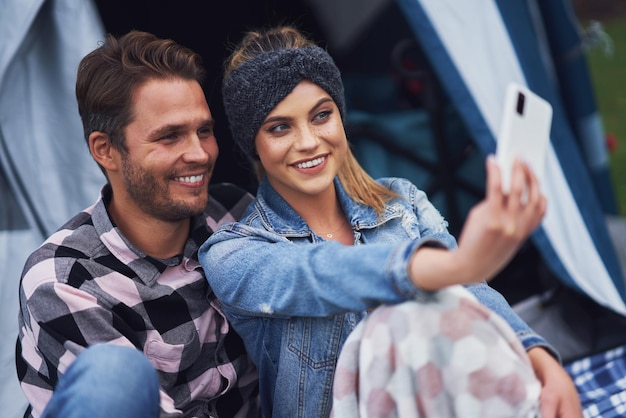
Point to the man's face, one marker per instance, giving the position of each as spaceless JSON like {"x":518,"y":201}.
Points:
{"x":171,"y":151}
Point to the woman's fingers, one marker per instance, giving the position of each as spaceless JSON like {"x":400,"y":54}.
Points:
{"x":517,"y":197}
{"x":520,"y":211}
{"x":494,"y":179}
{"x":496,"y":227}
{"x":532,"y":202}
{"x":533,"y":188}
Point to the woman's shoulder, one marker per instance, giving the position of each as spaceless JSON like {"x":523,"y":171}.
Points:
{"x":399,"y":185}
{"x":254,"y":223}
{"x":406,"y":192}
{"x":249,"y":221}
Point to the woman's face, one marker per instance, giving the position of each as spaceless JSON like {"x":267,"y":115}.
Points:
{"x":302,"y":143}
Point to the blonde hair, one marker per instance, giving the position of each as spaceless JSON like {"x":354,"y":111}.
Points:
{"x":359,"y":185}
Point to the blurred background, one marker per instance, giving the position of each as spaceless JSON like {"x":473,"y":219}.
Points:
{"x":606,"y":57}
{"x":424,"y":82}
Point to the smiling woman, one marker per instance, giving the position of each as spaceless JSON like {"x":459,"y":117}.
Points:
{"x":365,"y":263}
{"x":302,"y":145}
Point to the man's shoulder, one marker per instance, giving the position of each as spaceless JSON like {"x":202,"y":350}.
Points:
{"x":229,"y":194}
{"x":227,"y":200}
{"x":77,"y":239}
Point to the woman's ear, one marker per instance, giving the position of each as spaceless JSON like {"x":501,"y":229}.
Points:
{"x":103,"y":151}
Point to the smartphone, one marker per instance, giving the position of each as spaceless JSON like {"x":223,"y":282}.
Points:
{"x":524,"y":132}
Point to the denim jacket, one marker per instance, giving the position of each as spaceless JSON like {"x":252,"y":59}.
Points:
{"x":294,"y":301}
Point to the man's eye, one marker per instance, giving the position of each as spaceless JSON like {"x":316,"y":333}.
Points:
{"x":169,"y":137}
{"x":204,"y":132}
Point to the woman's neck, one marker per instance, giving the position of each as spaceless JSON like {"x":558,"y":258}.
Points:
{"x":325,"y":217}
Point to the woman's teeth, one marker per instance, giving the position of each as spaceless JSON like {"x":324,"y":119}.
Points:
{"x":312,"y":163}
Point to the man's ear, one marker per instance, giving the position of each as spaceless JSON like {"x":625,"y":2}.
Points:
{"x":103,"y":151}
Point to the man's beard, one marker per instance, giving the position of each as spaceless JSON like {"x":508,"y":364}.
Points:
{"x":153,"y":197}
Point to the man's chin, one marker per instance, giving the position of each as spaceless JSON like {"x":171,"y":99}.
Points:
{"x":184,"y":210}
{"x":198,"y":207}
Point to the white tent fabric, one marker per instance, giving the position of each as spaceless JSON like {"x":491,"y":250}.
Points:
{"x":46,"y":171}
{"x":472,"y":49}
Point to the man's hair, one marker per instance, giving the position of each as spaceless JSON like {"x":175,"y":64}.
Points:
{"x":109,"y":76}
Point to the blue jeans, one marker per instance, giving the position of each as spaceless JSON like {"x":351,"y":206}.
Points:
{"x":107,"y":381}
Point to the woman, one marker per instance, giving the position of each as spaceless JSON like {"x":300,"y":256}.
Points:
{"x":324,"y":244}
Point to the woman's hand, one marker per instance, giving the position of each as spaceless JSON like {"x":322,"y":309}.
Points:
{"x":496,"y":227}
{"x":559,"y":398}
{"x":493,"y":232}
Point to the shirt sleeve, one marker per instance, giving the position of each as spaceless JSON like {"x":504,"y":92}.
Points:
{"x":57,"y":322}
{"x":495,"y":301}
{"x":261,"y":273}
{"x":257,"y":272}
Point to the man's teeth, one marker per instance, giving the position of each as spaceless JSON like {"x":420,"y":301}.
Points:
{"x":311,"y":163}
{"x":190,"y":179}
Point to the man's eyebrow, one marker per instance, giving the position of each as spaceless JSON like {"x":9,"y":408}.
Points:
{"x":167,"y":129}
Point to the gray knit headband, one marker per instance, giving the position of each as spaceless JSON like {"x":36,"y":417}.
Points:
{"x":258,"y":85}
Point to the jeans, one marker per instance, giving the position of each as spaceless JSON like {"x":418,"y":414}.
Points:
{"x":107,"y":381}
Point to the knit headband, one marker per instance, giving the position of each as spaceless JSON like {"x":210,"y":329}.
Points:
{"x":258,"y":85}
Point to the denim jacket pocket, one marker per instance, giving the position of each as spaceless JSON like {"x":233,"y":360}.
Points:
{"x":308,"y":363}
{"x":316,"y":341}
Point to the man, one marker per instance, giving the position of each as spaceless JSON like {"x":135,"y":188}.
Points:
{"x":122,"y":277}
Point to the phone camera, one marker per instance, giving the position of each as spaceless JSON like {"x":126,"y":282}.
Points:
{"x":521,"y":99}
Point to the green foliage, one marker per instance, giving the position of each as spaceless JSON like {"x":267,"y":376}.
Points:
{"x":608,"y":77}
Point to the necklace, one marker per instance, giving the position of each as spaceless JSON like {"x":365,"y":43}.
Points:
{"x":330,"y":234}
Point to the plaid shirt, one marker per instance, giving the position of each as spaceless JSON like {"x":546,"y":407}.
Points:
{"x":87,"y":284}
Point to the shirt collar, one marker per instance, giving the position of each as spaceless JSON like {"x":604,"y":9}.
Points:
{"x":279,"y":216}
{"x":147,"y":268}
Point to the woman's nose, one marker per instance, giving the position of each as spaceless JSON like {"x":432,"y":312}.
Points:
{"x":307,"y":139}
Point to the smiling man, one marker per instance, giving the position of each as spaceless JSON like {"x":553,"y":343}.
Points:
{"x":116,"y":317}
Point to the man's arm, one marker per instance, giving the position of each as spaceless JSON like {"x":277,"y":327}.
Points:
{"x":57,"y":322}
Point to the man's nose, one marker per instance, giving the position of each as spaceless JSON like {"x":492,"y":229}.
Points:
{"x":196,"y":149}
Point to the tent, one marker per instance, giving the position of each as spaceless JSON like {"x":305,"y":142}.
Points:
{"x":463,"y":51}
{"x":437,"y":95}
{"x":46,"y":174}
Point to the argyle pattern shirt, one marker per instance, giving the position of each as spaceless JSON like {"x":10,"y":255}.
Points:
{"x":87,"y":284}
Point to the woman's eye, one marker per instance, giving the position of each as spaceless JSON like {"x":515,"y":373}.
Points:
{"x":323,"y":115}
{"x":278,"y":128}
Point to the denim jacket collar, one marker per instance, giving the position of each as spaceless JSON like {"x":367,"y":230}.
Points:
{"x":278,"y":216}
